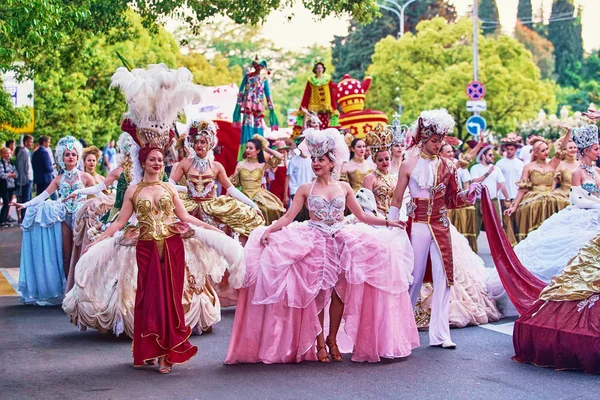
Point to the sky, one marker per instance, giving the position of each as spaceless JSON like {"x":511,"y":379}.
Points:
{"x":304,"y":30}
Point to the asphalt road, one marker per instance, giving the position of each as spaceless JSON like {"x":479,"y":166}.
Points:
{"x":43,"y":356}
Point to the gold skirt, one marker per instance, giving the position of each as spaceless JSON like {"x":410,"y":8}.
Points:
{"x":464,"y":220}
{"x":534,"y":209}
{"x":224,"y":212}
{"x":580,"y":279}
{"x":269,"y":204}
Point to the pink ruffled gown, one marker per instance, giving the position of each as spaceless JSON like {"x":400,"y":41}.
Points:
{"x":290,"y":281}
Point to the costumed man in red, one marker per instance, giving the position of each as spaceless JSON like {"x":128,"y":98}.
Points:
{"x":319,"y":98}
{"x":434,"y":188}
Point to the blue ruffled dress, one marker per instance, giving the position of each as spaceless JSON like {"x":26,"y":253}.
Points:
{"x":42,"y":276}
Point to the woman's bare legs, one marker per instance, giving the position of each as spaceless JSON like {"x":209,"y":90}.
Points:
{"x":321,"y":350}
{"x":336,"y":310}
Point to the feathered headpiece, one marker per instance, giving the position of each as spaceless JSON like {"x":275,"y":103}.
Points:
{"x":67,"y":143}
{"x":203,"y":128}
{"x":433,"y":123}
{"x":328,"y":142}
{"x":154,"y":96}
{"x":380,"y":138}
{"x":585,"y":136}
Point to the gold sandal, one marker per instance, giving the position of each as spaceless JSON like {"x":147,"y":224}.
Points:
{"x":324,"y":359}
{"x":334,"y":351}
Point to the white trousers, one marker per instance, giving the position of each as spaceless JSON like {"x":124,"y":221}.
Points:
{"x":423,"y":245}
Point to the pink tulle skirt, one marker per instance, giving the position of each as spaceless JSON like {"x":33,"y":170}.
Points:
{"x":290,"y":281}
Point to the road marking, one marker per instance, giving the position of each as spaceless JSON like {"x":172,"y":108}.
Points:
{"x":506,"y":328}
{"x":9,"y":279}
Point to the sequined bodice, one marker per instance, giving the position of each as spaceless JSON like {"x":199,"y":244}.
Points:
{"x":541,"y":182}
{"x":383,"y":189}
{"x":591,"y":188}
{"x":356,"y":178}
{"x":155,"y":218}
{"x":202,"y":186}
{"x":251,"y":181}
{"x":69,"y":182}
{"x":328,"y":214}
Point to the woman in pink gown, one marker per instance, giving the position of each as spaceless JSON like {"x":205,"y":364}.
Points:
{"x":296,"y":271}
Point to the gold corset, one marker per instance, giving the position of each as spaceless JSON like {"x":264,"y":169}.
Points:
{"x":202,"y":186}
{"x":155,"y":220}
{"x":565,"y":180}
{"x":541,"y":183}
{"x":251,"y":181}
{"x":355,"y":178}
{"x":383,"y":189}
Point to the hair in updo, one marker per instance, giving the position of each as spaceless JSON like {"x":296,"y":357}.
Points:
{"x":260,"y":156}
{"x":536,"y":143}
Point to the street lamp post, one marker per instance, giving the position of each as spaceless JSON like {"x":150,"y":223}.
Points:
{"x":401,"y":8}
{"x":397,"y":15}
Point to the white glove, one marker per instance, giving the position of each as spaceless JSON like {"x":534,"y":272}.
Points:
{"x":236,"y":194}
{"x":92,"y":190}
{"x":37,"y":200}
{"x":393,"y":213}
{"x":179,"y":188}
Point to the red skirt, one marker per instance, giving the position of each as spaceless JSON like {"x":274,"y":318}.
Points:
{"x":159,"y":324}
{"x":561,"y":335}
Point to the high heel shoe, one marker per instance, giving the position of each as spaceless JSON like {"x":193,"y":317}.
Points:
{"x":334,"y":351}
{"x":323,"y":359}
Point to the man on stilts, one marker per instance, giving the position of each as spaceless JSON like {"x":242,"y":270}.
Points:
{"x":434,"y":188}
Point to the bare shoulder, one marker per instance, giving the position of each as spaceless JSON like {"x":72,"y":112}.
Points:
{"x":346,"y":186}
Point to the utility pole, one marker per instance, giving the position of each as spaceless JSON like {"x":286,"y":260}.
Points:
{"x":476,"y":43}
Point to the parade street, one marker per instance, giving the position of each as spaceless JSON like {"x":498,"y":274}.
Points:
{"x":45,"y":357}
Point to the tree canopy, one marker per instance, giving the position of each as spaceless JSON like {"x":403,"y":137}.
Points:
{"x":488,"y":13}
{"x":432,"y":68}
{"x":541,"y":49}
{"x":565,"y":35}
{"x":352,"y":53}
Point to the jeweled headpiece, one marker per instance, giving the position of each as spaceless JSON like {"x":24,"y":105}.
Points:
{"x":328,"y":142}
{"x":400,"y":131}
{"x":433,"y":123}
{"x":585,"y":136}
{"x":203,"y":128}
{"x":380,"y":138}
{"x":67,"y":143}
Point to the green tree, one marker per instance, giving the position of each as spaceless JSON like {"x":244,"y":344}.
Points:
{"x":541,"y":49}
{"x":488,"y":13}
{"x":525,"y":13}
{"x":431,"y":69}
{"x":72,"y":96}
{"x":34,"y":28}
{"x":16,"y":117}
{"x":352,"y":53}
{"x":210,"y":73}
{"x":565,"y":35}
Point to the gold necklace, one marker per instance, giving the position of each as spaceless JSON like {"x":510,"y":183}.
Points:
{"x":252,"y":159}
{"x":426,"y":157}
{"x":386,"y":178}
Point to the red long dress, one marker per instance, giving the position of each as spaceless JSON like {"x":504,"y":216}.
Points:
{"x":159,"y":324}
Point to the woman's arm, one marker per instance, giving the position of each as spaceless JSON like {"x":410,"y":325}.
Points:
{"x":369,"y":181}
{"x":124,"y":215}
{"x":555,"y":162}
{"x":362,"y":216}
{"x":289,"y":216}
{"x":184,"y":216}
{"x":520,"y":194}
